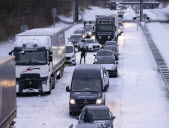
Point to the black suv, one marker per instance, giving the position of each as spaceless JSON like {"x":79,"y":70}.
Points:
{"x":88,"y":86}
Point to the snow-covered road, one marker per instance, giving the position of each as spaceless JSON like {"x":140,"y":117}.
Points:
{"x":137,"y":97}
{"x":143,"y":100}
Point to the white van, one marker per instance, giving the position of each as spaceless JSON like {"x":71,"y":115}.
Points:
{"x":70,"y":54}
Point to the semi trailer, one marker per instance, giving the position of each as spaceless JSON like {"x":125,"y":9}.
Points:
{"x":7,"y":91}
{"x":40,"y":57}
{"x":106,"y":28}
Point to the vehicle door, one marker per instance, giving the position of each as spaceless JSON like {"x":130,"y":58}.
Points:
{"x":105,"y":77}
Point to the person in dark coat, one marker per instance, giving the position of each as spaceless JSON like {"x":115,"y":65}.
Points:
{"x":88,"y":118}
{"x":83,"y":50}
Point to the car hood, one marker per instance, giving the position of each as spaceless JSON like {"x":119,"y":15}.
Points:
{"x":85,"y":95}
{"x":93,"y":44}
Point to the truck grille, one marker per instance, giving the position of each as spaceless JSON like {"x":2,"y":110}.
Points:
{"x":30,"y":75}
{"x":85,"y":102}
{"x":68,"y":58}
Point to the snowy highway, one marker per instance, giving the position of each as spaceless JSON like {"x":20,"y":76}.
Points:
{"x":137,"y":97}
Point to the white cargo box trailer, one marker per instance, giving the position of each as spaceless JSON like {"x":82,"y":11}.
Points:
{"x":7,"y":91}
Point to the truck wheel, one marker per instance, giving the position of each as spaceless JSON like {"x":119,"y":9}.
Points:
{"x":71,"y":113}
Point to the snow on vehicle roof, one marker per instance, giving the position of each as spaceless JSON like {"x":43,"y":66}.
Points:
{"x":76,"y":34}
{"x":41,"y":41}
{"x":40,"y":32}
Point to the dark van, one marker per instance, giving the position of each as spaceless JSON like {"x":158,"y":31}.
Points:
{"x":88,"y":86}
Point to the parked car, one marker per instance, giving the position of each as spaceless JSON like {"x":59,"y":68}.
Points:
{"x":80,"y":31}
{"x":92,"y":45}
{"x":114,"y":43}
{"x":74,"y":39}
{"x":103,"y":53}
{"x":88,"y":86}
{"x":8,"y":105}
{"x":70,"y":54}
{"x":110,"y":65}
{"x":101,"y":115}
{"x":114,"y":49}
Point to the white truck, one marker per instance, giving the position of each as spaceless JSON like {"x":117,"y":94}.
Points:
{"x":7,"y":92}
{"x":40,"y":57}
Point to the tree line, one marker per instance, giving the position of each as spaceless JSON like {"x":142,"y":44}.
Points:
{"x":34,"y":13}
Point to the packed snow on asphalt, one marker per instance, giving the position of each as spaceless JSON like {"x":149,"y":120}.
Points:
{"x":137,"y":97}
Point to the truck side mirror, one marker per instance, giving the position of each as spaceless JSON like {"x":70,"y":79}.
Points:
{"x":50,"y":58}
{"x":105,"y":88}
{"x":10,"y":53}
{"x":113,"y":117}
{"x":67,"y":89}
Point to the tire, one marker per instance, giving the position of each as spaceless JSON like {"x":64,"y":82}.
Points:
{"x":74,"y":64}
{"x":71,"y":113}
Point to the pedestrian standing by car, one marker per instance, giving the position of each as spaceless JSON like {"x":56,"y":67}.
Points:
{"x":88,"y":118}
{"x":83,"y":50}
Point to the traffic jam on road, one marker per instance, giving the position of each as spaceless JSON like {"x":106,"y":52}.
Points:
{"x":96,"y":74}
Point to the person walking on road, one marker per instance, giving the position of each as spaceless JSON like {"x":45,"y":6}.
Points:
{"x":88,"y":118}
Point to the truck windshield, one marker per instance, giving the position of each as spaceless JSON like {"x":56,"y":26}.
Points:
{"x":31,"y":57}
{"x":105,"y":28}
{"x":69,"y":49}
{"x":86,"y":85}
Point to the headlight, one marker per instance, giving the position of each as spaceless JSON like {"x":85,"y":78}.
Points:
{"x":70,"y":42}
{"x":98,"y":101}
{"x":90,"y":33}
{"x":83,"y":36}
{"x":89,"y":46}
{"x":72,"y":101}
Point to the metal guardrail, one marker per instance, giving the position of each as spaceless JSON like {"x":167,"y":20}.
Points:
{"x":163,"y":68}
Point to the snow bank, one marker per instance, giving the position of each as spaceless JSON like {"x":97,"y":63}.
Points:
{"x":160,"y":36}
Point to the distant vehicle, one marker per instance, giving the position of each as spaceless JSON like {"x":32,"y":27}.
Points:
{"x":92,"y":45}
{"x":40,"y":57}
{"x":88,"y":86}
{"x":88,"y":30}
{"x":114,"y":43}
{"x":70,"y":54}
{"x":7,"y":92}
{"x":103,"y":53}
{"x":80,"y":31}
{"x":110,"y":65}
{"x":106,"y":28}
{"x":114,"y":49}
{"x":74,"y":39}
{"x":101,"y":116}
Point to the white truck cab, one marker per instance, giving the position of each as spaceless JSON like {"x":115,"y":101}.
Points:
{"x":39,"y":57}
